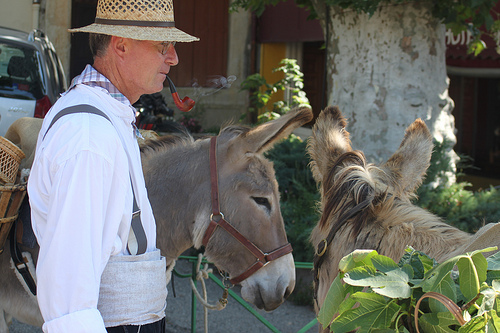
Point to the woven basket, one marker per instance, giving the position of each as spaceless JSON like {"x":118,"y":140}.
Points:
{"x":10,"y":158}
{"x":11,"y":198}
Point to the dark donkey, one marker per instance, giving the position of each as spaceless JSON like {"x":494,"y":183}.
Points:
{"x":178,"y":178}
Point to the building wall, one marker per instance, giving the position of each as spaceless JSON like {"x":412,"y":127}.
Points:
{"x":55,"y":21}
{"x":17,"y":14}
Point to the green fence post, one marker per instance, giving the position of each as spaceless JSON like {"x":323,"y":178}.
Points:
{"x":193,"y":299}
{"x":308,"y":326}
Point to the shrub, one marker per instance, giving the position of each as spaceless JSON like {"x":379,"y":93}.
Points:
{"x":455,"y":204}
{"x":261,"y":92}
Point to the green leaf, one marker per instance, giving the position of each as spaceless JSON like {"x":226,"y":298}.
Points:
{"x":437,"y":322}
{"x":472,"y":271}
{"x":387,"y":282}
{"x":494,"y":321}
{"x":476,"y":324}
{"x":476,"y":47}
{"x":419,"y":262}
{"x":447,"y":287}
{"x":488,"y":302}
{"x":435,"y":276}
{"x":373,"y":312}
{"x":496,"y":285}
{"x":492,"y":276}
{"x":356,"y":259}
{"x":335,"y":296}
{"x":349,"y":302}
{"x":383,"y":263}
{"x":494,"y":261}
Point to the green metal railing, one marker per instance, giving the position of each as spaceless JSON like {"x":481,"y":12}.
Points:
{"x":236,"y":297}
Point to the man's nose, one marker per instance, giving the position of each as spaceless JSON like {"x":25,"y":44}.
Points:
{"x":172,"y":59}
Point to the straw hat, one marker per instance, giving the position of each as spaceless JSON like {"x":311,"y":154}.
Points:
{"x":137,"y":19}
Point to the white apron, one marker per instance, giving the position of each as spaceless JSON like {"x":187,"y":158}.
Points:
{"x":133,"y":289}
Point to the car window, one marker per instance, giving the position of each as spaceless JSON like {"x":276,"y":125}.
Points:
{"x":19,"y":72}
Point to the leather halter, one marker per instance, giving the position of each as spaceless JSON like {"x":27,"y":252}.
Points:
{"x":322,"y":247}
{"x":217,"y":220}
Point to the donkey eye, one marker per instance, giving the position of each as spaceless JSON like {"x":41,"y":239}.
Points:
{"x":261,"y":201}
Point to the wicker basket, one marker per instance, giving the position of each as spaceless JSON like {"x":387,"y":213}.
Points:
{"x":10,"y":158}
{"x":11,"y":198}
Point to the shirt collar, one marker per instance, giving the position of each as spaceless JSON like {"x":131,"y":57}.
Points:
{"x":91,"y":77}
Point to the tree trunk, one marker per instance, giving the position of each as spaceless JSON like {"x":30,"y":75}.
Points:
{"x":385,"y":71}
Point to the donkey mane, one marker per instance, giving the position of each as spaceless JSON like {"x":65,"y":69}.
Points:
{"x":181,"y":138}
{"x":347,"y":190}
{"x":165,"y":142}
{"x":234,"y":130}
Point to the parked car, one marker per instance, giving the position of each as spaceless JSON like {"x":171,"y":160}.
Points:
{"x":31,"y":75}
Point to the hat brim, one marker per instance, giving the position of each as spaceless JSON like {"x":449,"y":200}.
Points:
{"x":160,"y":34}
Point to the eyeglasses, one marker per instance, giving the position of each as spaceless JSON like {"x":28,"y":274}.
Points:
{"x":163,"y":47}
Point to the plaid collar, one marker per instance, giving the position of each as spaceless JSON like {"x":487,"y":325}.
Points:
{"x":91,"y":77}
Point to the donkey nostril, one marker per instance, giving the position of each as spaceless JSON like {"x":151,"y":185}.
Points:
{"x":288,"y":291}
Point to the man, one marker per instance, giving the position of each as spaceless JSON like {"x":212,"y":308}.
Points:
{"x":92,"y":272}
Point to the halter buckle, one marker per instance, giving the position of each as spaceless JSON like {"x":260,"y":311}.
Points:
{"x":322,"y":250}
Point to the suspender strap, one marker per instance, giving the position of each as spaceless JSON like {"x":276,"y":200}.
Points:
{"x":81,"y":108}
{"x":137,"y":243}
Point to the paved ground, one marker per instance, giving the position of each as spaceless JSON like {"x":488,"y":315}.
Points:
{"x":288,"y":318}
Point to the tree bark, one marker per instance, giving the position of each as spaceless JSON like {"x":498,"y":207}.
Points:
{"x":385,"y":71}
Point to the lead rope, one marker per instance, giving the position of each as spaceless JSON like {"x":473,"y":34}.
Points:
{"x":201,"y":275}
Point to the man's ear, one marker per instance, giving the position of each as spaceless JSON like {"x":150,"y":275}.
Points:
{"x":118,"y":45}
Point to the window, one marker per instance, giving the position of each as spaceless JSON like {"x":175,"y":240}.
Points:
{"x":477,"y":119}
{"x":19,"y":77}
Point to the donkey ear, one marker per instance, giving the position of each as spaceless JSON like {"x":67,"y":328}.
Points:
{"x":262,"y":138}
{"x":407,"y":166}
{"x":328,"y":141}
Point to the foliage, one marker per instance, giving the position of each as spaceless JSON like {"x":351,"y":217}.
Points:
{"x":261,"y":91}
{"x":299,"y":194}
{"x":464,"y":15}
{"x":388,"y":293}
{"x":465,"y":209}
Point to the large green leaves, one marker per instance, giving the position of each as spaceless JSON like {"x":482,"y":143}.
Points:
{"x":441,"y":322}
{"x":336,"y":295}
{"x":391,"y":283}
{"x":390,"y":292}
{"x":373,"y":312}
{"x":472,"y":267}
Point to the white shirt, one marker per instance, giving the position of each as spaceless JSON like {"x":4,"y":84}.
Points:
{"x":81,"y":204}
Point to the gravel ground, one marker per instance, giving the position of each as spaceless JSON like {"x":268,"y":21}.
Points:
{"x":288,"y":318}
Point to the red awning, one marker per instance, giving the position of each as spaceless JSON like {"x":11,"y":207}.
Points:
{"x":456,"y":52}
